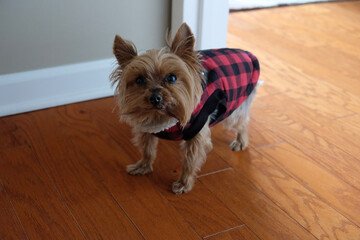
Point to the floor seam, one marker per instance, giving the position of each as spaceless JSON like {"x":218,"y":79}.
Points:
{"x":14,"y":210}
{"x":224,"y":231}
{"x":214,"y":172}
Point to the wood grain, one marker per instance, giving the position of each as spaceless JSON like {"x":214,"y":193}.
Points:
{"x":288,"y":124}
{"x":293,"y":39}
{"x":339,"y":133}
{"x":136,"y":195}
{"x":257,"y":211}
{"x":349,"y":128}
{"x":10,"y":136}
{"x":316,"y":93}
{"x":296,"y":200}
{"x":332,"y":190}
{"x":299,"y":202}
{"x":241,"y":233}
{"x":200,"y":208}
{"x":10,"y":227}
{"x":93,"y":207}
{"x":38,"y":205}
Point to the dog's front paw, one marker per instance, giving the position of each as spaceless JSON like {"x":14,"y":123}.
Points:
{"x":238,"y":146}
{"x":179,"y":187}
{"x":138,"y":169}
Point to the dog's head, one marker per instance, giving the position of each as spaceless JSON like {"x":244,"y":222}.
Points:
{"x":157,"y":89}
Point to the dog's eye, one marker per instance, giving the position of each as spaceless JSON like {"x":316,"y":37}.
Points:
{"x":170,"y":78}
{"x":140,"y":80}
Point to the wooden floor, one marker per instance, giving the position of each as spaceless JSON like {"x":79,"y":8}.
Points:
{"x":62,"y":170}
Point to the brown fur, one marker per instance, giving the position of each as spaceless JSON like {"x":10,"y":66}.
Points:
{"x":177,"y":105}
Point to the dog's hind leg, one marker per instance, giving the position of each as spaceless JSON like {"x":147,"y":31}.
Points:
{"x":242,"y":137}
{"x":238,"y":121}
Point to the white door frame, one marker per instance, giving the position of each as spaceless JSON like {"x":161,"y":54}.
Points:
{"x":208,"y":20}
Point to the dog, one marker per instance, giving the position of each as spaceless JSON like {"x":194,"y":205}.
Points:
{"x":178,"y":93}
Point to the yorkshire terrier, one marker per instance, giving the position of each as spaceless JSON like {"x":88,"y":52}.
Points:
{"x":177,"y":93}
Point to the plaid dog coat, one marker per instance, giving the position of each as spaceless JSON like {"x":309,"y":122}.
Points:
{"x":231,"y":75}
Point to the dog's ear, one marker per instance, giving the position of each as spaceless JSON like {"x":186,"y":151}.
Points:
{"x":183,"y":43}
{"x":124,"y":51}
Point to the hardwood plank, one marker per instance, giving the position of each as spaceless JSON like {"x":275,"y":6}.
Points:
{"x":313,"y":21}
{"x":10,"y":227}
{"x":347,"y":10}
{"x":300,"y":203}
{"x":295,"y":53}
{"x":259,"y":137}
{"x":105,"y":112}
{"x":313,"y":92}
{"x":316,"y":93}
{"x":205,"y":212}
{"x":200,"y":208}
{"x":330,"y":189}
{"x":337,"y":133}
{"x":258,"y":212}
{"x":214,"y":164}
{"x":283,"y":70}
{"x":241,"y":233}
{"x":349,"y":128}
{"x":322,"y":152}
{"x":296,"y":200}
{"x":9,"y":134}
{"x":93,"y":207}
{"x":39,"y":207}
{"x":142,"y":203}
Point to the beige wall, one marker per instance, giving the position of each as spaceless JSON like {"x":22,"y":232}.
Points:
{"x":36,"y":34}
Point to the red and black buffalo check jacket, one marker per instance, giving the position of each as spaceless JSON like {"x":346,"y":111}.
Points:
{"x":231,"y":75}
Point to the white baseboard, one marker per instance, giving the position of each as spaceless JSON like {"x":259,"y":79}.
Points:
{"x":38,"y":89}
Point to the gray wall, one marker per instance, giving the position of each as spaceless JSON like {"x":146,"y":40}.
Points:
{"x":37,"y":34}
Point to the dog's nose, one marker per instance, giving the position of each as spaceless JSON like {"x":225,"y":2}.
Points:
{"x":155,"y":98}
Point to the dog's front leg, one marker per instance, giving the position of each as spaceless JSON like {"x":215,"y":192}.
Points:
{"x":147,"y":144}
{"x":195,"y":155}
